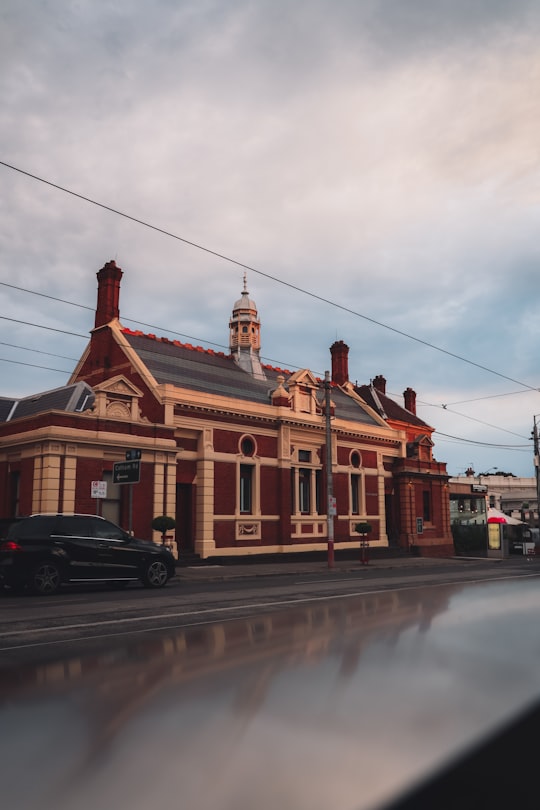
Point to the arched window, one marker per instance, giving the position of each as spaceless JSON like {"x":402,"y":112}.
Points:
{"x":356,"y":459}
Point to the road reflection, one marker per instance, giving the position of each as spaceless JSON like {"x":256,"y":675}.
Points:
{"x":339,"y":703}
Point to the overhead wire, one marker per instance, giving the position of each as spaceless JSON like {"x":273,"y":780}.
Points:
{"x":221,"y":345}
{"x":42,"y":326}
{"x":276,"y":279}
{"x":471,"y":418}
{"x":65,"y":371}
{"x":33,"y":365}
{"x":37,"y":351}
{"x":484,"y":444}
{"x":252,"y":269}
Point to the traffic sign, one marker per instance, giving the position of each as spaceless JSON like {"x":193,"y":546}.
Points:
{"x":98,"y":489}
{"x":126,"y":472}
{"x":133,"y":455}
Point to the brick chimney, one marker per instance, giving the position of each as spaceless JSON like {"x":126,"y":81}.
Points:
{"x":108,"y":294}
{"x":340,"y":362}
{"x":410,"y":400}
{"x":379,"y":384}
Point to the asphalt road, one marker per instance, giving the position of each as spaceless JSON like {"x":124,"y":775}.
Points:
{"x":84,"y":620}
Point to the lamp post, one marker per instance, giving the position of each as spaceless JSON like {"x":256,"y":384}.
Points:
{"x":330,"y":507}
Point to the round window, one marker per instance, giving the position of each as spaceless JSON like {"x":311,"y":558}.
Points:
{"x":356,"y":459}
{"x":247,"y":446}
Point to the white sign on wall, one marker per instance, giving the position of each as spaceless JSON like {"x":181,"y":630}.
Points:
{"x":98,"y":489}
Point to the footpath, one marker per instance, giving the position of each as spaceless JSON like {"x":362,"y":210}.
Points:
{"x":253,"y":567}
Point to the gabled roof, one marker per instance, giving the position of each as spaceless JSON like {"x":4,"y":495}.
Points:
{"x":392,"y":411}
{"x":72,"y":398}
{"x":192,"y":367}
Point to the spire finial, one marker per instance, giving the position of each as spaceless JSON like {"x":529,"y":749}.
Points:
{"x":245,"y":283}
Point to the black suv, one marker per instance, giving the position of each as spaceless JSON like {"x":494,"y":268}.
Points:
{"x":41,"y":552}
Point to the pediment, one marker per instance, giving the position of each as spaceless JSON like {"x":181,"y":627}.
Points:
{"x":424,"y":440}
{"x":303,"y":387}
{"x":303,"y":377}
{"x":118,"y":385}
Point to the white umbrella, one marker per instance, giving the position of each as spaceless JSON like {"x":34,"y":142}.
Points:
{"x":496,"y":516}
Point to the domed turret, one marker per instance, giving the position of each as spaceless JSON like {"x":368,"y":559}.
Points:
{"x":245,"y":335}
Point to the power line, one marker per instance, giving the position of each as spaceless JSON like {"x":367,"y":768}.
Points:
{"x":162,"y":329}
{"x":484,"y":444}
{"x":463,"y":416}
{"x":33,"y":365}
{"x":38,"y":351}
{"x":45,"y":295}
{"x":439,"y":433}
{"x":152,"y":326}
{"x":489,"y":396}
{"x":237,"y":263}
{"x":446,"y":436}
{"x":222,"y":346}
{"x":472,"y":419}
{"x":41,"y":326}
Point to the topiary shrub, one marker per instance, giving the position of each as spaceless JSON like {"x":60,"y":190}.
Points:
{"x":162,"y":524}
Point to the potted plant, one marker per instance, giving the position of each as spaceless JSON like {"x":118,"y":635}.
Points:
{"x":162,"y":524}
{"x":363,"y":529}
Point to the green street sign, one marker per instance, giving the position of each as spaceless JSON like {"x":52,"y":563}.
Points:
{"x":126,"y":472}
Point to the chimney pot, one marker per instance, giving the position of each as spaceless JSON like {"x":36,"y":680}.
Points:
{"x":108,"y":293}
{"x":340,"y":362}
{"x":410,"y":400}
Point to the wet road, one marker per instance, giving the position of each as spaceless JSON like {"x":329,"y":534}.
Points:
{"x":82,"y":619}
{"x":234,"y":689}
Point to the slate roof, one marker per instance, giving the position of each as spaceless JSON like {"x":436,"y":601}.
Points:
{"x":6,"y":406}
{"x":213,"y":372}
{"x":391,"y":408}
{"x":71,"y":398}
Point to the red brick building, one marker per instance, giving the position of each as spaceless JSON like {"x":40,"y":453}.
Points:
{"x":233,"y":449}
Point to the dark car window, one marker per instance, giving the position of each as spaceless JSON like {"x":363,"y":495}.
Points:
{"x":40,"y":526}
{"x":106,"y":530}
{"x":75,"y":526}
{"x":5,"y":525}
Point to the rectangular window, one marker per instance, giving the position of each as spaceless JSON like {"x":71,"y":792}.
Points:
{"x":304,"y":490}
{"x":426,"y":497}
{"x":246,"y":489}
{"x":14,"y":492}
{"x":305,"y":456}
{"x":318,"y":490}
{"x":355,"y":494}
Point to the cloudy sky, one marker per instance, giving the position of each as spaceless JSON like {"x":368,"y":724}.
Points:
{"x":375,"y":163}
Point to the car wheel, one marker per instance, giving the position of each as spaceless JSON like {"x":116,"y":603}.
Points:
{"x":45,"y":578}
{"x":155,"y":574}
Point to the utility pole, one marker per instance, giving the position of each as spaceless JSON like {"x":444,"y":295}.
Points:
{"x":330,"y":503}
{"x":536,"y":468}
